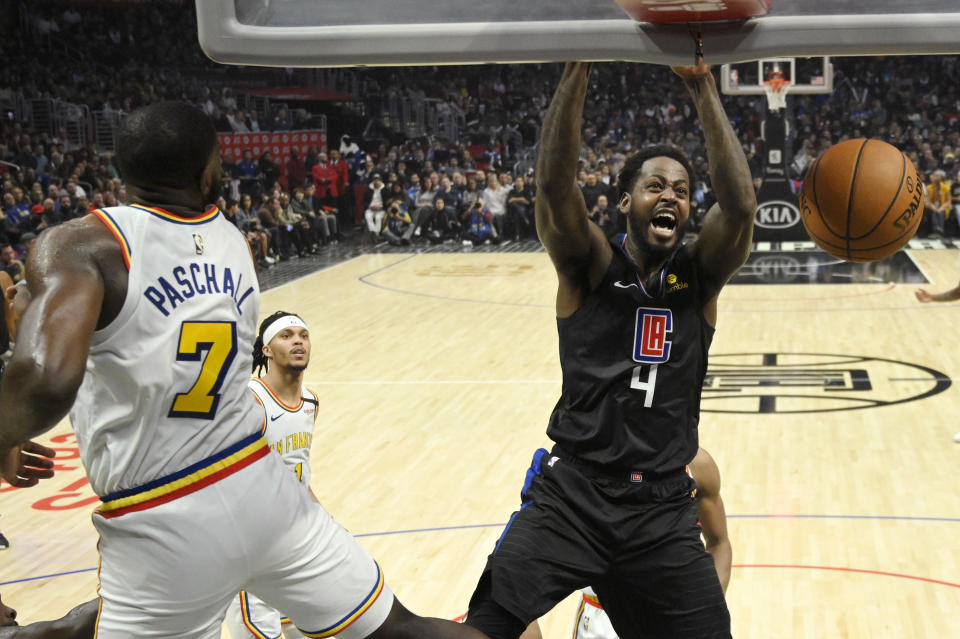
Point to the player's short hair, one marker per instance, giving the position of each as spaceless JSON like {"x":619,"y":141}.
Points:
{"x":631,"y":168}
{"x":165,"y":144}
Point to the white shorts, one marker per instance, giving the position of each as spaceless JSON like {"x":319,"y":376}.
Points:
{"x":592,"y":620}
{"x":172,"y":563}
{"x":248,"y":617}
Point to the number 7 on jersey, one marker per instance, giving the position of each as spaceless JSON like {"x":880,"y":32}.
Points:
{"x":219,"y":340}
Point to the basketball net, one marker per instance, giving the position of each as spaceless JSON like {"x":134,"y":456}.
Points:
{"x":776,"y":90}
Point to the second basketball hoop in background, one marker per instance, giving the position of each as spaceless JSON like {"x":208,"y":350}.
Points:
{"x":862,"y":200}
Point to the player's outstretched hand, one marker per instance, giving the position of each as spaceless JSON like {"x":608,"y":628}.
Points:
{"x":923,"y":296}
{"x":26,"y":464}
{"x":689,"y":73}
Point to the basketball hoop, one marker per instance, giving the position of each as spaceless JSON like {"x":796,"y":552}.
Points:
{"x":776,"y":90}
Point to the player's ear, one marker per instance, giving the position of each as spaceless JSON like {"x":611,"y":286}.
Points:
{"x":624,"y":203}
{"x":267,"y":352}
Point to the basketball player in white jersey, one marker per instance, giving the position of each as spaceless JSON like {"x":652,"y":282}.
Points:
{"x":592,"y":621}
{"x":290,"y":410}
{"x":138,"y":325}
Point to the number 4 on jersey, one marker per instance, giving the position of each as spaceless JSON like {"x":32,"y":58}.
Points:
{"x":650,"y":348}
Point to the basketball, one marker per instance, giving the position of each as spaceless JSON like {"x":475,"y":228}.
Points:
{"x":862,"y":200}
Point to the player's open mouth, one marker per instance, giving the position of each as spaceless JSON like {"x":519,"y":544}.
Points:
{"x":664,"y":223}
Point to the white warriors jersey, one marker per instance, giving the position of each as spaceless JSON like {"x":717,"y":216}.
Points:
{"x":288,"y":429}
{"x":165,"y":390}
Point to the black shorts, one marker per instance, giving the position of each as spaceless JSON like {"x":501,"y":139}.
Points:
{"x":636,"y":542}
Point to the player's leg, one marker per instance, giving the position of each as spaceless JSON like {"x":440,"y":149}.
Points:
{"x":250,"y":618}
{"x":171,"y":570}
{"x":548,"y":549}
{"x":314,"y":571}
{"x":663,"y":582}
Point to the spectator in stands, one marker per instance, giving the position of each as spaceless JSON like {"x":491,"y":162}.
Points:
{"x":450,"y":195}
{"x":478,"y":225}
{"x":520,"y":209}
{"x":495,"y":200}
{"x":269,"y":169}
{"x":258,"y":240}
{"x":269,"y":216}
{"x":955,"y":198}
{"x":373,"y":206}
{"x":296,"y":171}
{"x":445,"y":224}
{"x":413,"y":190}
{"x":248,"y":173}
{"x":396,"y":193}
{"x":592,"y":189}
{"x":326,"y":181}
{"x":246,"y":219}
{"x":603,"y":215}
{"x":423,"y":203}
{"x":399,"y":226}
{"x":11,"y":263}
{"x":938,"y":204}
{"x":343,"y":190}
{"x":297,"y":227}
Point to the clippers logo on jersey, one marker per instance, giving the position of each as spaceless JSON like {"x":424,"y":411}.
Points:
{"x":650,"y":343}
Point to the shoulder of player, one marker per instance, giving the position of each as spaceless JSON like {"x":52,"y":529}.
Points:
{"x":583,"y":273}
{"x":74,"y":243}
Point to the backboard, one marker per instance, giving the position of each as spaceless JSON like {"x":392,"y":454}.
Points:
{"x":806,"y":76}
{"x":303,"y":33}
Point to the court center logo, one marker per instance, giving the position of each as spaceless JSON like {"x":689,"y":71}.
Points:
{"x":813,"y":383}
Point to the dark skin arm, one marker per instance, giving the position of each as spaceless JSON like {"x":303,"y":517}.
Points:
{"x":724,"y":242}
{"x":77,"y":281}
{"x":947,"y":296}
{"x":576,"y":246}
{"x":712,"y":515}
{"x":79,"y":623}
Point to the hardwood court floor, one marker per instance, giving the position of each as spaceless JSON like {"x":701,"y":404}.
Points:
{"x":437,"y":374}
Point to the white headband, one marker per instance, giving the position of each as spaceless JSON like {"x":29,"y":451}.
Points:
{"x":287,"y":321}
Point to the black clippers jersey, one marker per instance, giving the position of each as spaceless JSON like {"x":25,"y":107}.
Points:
{"x":633,"y":365}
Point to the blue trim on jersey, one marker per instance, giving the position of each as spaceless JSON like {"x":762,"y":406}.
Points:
{"x":119,"y":230}
{"x":510,"y":523}
{"x":223,"y":454}
{"x":533,"y":471}
{"x":249,"y":617}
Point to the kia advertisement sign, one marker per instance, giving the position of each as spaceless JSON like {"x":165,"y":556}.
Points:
{"x":777,"y":214}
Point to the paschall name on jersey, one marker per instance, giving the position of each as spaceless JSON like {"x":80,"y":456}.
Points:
{"x":185,"y":282}
{"x":293,"y":441}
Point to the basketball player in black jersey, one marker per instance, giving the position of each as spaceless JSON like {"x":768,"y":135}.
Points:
{"x":611,"y":506}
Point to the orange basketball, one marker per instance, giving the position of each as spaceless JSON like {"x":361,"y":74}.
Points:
{"x":861,"y":200}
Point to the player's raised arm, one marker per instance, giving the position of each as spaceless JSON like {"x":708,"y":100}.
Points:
{"x":724,"y":242}
{"x":712,"y":515}
{"x":577,"y":247}
{"x":53,"y":338}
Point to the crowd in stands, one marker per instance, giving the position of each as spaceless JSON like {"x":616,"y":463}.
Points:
{"x":478,"y":188}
